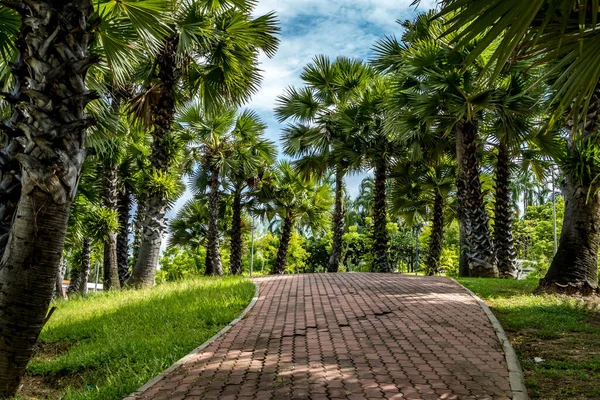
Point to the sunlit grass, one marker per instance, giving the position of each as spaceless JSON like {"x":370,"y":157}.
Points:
{"x":114,"y":342}
{"x":562,"y":332}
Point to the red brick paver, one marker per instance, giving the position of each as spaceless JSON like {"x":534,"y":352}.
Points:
{"x":349,"y":336}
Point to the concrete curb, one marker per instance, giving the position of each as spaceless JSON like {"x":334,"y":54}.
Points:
{"x":197,"y":350}
{"x":515,"y":373}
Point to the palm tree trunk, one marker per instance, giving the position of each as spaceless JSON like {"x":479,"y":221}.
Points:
{"x":48,"y":102}
{"x":380,"y":234}
{"x":10,"y":182}
{"x":214,"y":265}
{"x":236,"y":234}
{"x":503,"y":238}
{"x":111,"y":268}
{"x":59,"y":292}
{"x":338,"y":222}
{"x":437,"y":236}
{"x":124,"y":208}
{"x":155,"y":207}
{"x":80,"y":275}
{"x":137,"y":230}
{"x":479,"y":247}
{"x":574,"y":268}
{"x":284,"y":244}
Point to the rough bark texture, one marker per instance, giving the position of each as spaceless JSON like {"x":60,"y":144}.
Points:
{"x":109,"y":198}
{"x":124,"y":208}
{"x":236,"y":234}
{"x":80,"y":275}
{"x":62,"y":270}
{"x":138,"y":228}
{"x":474,"y":219}
{"x":48,"y":118}
{"x":503,"y":214}
{"x":380,"y":234}
{"x":574,"y":269}
{"x":214,"y":265}
{"x":284,"y":244}
{"x":155,"y":207}
{"x":338,"y":223}
{"x":437,"y":236}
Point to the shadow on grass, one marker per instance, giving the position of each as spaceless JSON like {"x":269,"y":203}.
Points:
{"x":118,"y":341}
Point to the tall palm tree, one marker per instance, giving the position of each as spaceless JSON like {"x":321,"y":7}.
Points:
{"x":45,"y":145}
{"x":231,"y":152}
{"x":420,"y":191}
{"x":213,"y":53}
{"x":253,"y":155}
{"x":363,"y":121}
{"x":314,"y":135}
{"x":565,"y":31}
{"x":294,"y":199}
{"x":429,"y":80}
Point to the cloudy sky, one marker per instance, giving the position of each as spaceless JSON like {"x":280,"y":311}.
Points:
{"x":333,"y":28}
{"x":330,"y":27}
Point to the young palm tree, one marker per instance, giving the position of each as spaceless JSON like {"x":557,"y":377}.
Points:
{"x":314,"y":135}
{"x":213,"y":53}
{"x":231,"y":151}
{"x":565,"y":31}
{"x":421,"y":191}
{"x":294,"y":199}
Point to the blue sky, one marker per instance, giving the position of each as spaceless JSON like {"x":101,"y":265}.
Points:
{"x":333,"y":28}
{"x":311,"y":27}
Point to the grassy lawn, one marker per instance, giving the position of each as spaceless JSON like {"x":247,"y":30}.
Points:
{"x":564,"y":332}
{"x":107,"y":345}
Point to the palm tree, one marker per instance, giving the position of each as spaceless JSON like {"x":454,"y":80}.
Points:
{"x":421,"y":191}
{"x":294,"y":199}
{"x":363,"y":121}
{"x":253,"y":155}
{"x":231,"y":151}
{"x":212,"y":52}
{"x":45,"y":134}
{"x":565,"y":31}
{"x":431,"y":84}
{"x":314,"y":135}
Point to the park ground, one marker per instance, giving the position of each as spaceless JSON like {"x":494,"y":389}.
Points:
{"x":107,"y":345}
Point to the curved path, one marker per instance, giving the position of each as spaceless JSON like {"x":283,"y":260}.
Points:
{"x":349,"y":336}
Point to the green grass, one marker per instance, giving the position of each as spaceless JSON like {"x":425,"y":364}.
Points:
{"x":105,"y":346}
{"x":563,"y":331}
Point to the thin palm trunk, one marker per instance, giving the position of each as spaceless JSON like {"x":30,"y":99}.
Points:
{"x":380,"y":234}
{"x":111,"y":268}
{"x":214,"y":265}
{"x":284,"y":244}
{"x":155,"y":207}
{"x":236,"y":234}
{"x":338,"y":222}
{"x":59,"y":292}
{"x":124,"y":208}
{"x":503,"y":214}
{"x":437,"y":236}
{"x":137,"y":231}
{"x":479,"y":247}
{"x":48,"y":103}
{"x":80,"y":275}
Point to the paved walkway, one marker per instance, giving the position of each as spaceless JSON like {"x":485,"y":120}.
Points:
{"x":349,"y":336}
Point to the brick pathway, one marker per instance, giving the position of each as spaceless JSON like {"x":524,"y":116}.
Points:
{"x":349,"y":336}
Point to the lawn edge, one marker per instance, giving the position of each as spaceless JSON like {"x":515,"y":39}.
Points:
{"x":197,"y":350}
{"x":515,"y":373}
